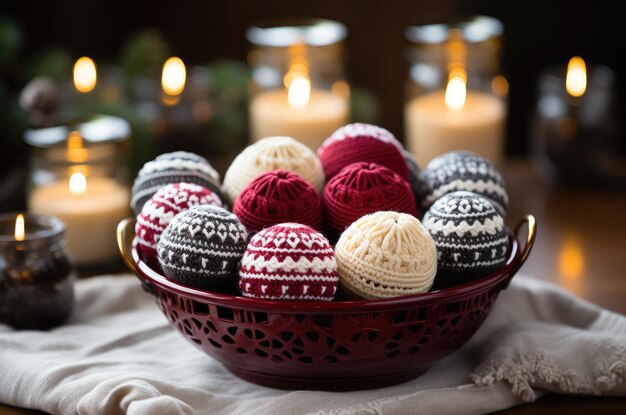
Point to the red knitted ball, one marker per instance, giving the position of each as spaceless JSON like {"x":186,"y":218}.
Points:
{"x":276,"y":197}
{"x":159,"y":211}
{"x":363,"y":188}
{"x":361,"y":142}
{"x":289,"y":261}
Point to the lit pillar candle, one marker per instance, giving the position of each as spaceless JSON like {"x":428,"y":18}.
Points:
{"x":309,"y":115}
{"x":456,"y":119}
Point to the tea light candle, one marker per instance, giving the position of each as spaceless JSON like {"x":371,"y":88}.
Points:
{"x":91,"y":208}
{"x":457,"y":119}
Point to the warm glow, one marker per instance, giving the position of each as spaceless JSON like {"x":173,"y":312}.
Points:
{"x":78,"y":183}
{"x":85,"y":75}
{"x":76,"y":152}
{"x":341,"y":89}
{"x":576,"y":80}
{"x":299,"y":92}
{"x":571,"y":260}
{"x":174,"y":76}
{"x":500,"y":86}
{"x":19,"y":227}
{"x":456,"y":91}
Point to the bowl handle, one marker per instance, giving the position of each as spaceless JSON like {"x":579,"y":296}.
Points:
{"x":531,"y":223}
{"x":124,"y":241}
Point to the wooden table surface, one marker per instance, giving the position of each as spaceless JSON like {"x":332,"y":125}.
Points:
{"x":580,"y":246}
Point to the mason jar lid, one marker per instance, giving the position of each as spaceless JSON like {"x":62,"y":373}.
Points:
{"x":284,"y":33}
{"x":98,"y":129}
{"x":474,"y":29}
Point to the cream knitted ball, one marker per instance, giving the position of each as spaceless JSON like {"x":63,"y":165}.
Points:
{"x":386,"y":254}
{"x":269,"y":154}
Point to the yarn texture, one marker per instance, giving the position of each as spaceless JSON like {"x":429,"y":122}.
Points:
{"x":384,"y":255}
{"x":470,"y":237}
{"x":363,"y":188}
{"x":202,"y":247}
{"x":159,"y":211}
{"x":463,"y":170}
{"x":269,"y":154}
{"x":277,"y":197}
{"x":176,"y":167}
{"x":361,"y":142}
{"x":289,"y":261}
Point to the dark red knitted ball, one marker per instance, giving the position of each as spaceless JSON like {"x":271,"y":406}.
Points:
{"x":363,"y":188}
{"x":289,"y":261}
{"x":275,"y":197}
{"x":361,"y":142}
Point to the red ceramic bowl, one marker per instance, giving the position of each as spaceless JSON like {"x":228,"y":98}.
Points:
{"x":345,"y":345}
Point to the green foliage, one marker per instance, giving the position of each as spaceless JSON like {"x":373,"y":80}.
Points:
{"x":11,"y":41}
{"x":145,"y":50}
{"x":55,"y":63}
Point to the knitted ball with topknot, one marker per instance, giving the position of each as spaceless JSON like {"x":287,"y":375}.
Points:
{"x":159,"y":211}
{"x":202,"y":247}
{"x":175,"y":167}
{"x":470,"y":237}
{"x":269,"y":154}
{"x":289,"y":261}
{"x":463,"y":170}
{"x":384,"y":255}
{"x":276,"y":197}
{"x":361,"y":142}
{"x":363,"y":188}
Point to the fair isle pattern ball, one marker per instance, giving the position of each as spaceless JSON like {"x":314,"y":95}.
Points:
{"x":384,"y":255}
{"x":202,"y":248}
{"x":361,"y":142}
{"x":272,"y":153}
{"x":470,"y":237}
{"x":159,"y":211}
{"x":463,"y":170}
{"x":289,"y":261}
{"x":175,"y":167}
{"x":363,"y":188}
{"x":278,"y":196}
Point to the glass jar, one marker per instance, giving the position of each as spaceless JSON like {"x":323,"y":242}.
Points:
{"x":298,"y":86}
{"x":575,"y":133}
{"x":36,"y":275}
{"x":455,"y":93}
{"x":79,"y":173}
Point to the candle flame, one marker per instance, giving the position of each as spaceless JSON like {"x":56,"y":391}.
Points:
{"x":299,"y":91}
{"x":174,"y":76}
{"x":456,"y":90}
{"x":76,"y":152}
{"x":78,"y":183}
{"x":85,"y":75}
{"x":576,"y":79}
{"x":19,"y":227}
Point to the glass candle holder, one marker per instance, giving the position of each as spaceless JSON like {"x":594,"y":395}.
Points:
{"x":298,"y":87}
{"x":36,"y":275}
{"x":456,"y":95}
{"x":575,"y":128}
{"x":79,"y":173}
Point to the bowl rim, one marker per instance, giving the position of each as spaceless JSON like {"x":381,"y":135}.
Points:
{"x":443,"y":296}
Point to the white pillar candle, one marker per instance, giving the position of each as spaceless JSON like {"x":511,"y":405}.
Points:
{"x":90,"y":214}
{"x":433,"y":129}
{"x":272,"y":114}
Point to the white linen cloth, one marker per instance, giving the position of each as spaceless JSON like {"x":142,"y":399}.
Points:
{"x":118,"y":354}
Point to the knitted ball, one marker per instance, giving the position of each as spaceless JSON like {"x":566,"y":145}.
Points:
{"x":269,"y":154}
{"x":463,"y":170}
{"x":159,"y":211}
{"x":414,"y":175}
{"x":363,"y":188}
{"x":469,"y":235}
{"x":289,"y":261}
{"x":386,"y":254}
{"x":176,"y":167}
{"x":361,"y":142}
{"x":202,"y":247}
{"x":276,"y":197}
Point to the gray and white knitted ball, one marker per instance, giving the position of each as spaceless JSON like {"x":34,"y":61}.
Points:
{"x":469,"y":235}
{"x":202,"y":248}
{"x":175,"y":167}
{"x":463,"y":170}
{"x":414,"y":175}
